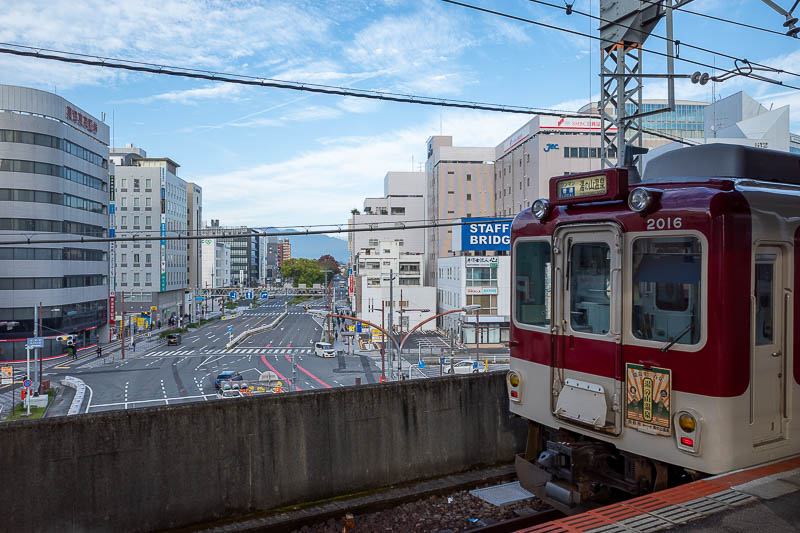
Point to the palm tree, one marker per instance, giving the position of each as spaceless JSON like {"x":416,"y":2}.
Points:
{"x":355,"y":211}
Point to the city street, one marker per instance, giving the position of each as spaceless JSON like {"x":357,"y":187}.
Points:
{"x":169,"y":375}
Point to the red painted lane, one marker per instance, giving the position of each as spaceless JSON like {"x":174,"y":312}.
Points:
{"x":50,"y":358}
{"x":312,"y":376}
{"x":264,"y":358}
{"x":289,"y":345}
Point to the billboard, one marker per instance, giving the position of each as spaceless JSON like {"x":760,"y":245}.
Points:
{"x":486,"y":234}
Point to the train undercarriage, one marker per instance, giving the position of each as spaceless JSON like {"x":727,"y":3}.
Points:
{"x":574,"y":473}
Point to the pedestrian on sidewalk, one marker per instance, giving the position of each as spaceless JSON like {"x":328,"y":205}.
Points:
{"x":133,"y":344}
{"x":99,"y":352}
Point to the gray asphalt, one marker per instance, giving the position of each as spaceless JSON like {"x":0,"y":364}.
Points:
{"x":170,"y":375}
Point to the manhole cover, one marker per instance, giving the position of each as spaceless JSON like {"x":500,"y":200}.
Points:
{"x":502,"y":494}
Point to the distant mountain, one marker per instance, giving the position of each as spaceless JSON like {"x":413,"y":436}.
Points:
{"x":315,"y":246}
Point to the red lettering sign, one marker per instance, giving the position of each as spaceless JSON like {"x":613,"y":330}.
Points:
{"x":79,"y":118}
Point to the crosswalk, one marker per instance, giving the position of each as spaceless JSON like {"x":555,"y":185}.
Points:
{"x":236,"y":351}
{"x":248,"y":314}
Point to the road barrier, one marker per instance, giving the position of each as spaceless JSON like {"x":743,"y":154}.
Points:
{"x":243,"y":335}
{"x":80,"y":392}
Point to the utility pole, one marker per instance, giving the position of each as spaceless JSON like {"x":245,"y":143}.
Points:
{"x":35,"y":350}
{"x":122,"y":323}
{"x":383,"y":345}
{"x":391,"y":315}
{"x":41,"y":355}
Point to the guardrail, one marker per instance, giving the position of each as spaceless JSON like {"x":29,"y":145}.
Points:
{"x":243,"y":335}
{"x":80,"y":392}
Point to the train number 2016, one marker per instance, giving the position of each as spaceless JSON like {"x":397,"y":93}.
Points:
{"x":664,"y":223}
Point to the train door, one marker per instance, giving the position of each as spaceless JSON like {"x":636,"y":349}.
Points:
{"x":588,"y":304}
{"x":770,"y":299}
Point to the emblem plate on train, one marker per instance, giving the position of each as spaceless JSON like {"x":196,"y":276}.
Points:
{"x":647,"y":402}
{"x":584,"y":186}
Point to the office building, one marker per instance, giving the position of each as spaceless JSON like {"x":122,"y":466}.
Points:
{"x":150,"y":199}
{"x":216,"y":263}
{"x":377,"y":267}
{"x":284,"y":250}
{"x":53,"y":180}
{"x":402,"y":203}
{"x":245,"y":252}
{"x":194,"y":219}
{"x":460,"y":183}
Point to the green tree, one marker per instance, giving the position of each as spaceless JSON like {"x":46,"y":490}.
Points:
{"x":302,"y":270}
{"x":328,"y":262}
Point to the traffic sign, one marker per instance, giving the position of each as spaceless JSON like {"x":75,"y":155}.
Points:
{"x":36,"y":342}
{"x":248,"y":295}
{"x":264,"y":294}
{"x":230,"y":328}
{"x":27,"y":383}
{"x":154,"y":308}
{"x":6,"y":375}
{"x":233,"y":295}
{"x":441,"y":350}
{"x":422,"y":364}
{"x":475,"y":365}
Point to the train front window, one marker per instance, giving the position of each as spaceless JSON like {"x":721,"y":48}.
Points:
{"x":532,"y":284}
{"x":666,"y":289}
{"x":590,"y":287}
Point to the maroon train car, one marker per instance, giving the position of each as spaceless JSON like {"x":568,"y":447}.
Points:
{"x":654,"y":323}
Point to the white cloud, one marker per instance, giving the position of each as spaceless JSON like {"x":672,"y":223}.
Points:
{"x":227,"y":91}
{"x":323,"y":185}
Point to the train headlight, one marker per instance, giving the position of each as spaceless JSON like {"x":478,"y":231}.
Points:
{"x":688,"y":430}
{"x":513,"y":380}
{"x":687,"y":422}
{"x":640,"y":199}
{"x":541,"y":208}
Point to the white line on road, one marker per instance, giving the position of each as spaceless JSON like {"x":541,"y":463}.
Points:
{"x":164,"y":392}
{"x":197,"y":339}
{"x":126,"y":394}
{"x":91,"y":393}
{"x":158,"y":400}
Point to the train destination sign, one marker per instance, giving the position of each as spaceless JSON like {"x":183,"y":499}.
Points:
{"x":610,"y":184}
{"x":581,"y":187}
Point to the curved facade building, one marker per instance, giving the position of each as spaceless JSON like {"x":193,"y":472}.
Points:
{"x":53,"y":182}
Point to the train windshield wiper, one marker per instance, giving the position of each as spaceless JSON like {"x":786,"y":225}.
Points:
{"x":672,"y":342}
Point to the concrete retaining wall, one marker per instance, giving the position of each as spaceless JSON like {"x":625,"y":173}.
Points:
{"x":165,"y":467}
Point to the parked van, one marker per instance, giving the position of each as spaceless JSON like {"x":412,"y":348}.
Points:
{"x":324,"y":349}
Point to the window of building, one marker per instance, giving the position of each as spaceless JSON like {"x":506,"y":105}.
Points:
{"x":573,"y":151}
{"x":124,"y":258}
{"x":529,"y":182}
{"x":136,"y":258}
{"x":124,"y":183}
{"x":148,"y":183}
{"x":136,"y":201}
{"x":147,"y":202}
{"x":451,"y":192}
{"x":136,"y":220}
{"x":528,"y":160}
{"x":520,"y":185}
{"x":469,"y":196}
{"x":148,"y":220}
{"x":123,"y":202}
{"x":469,"y":177}
{"x":488,"y":303}
{"x":147,"y":258}
{"x":135,"y":277}
{"x":566,"y":151}
{"x":584,"y":152}
{"x":400,"y":242}
{"x":124,"y":220}
{"x":373,"y":242}
{"x":148,"y":277}
{"x":481,"y":276}
{"x":593,"y":152}
{"x":124,"y":277}
{"x":398,"y":210}
{"x":135,"y":184}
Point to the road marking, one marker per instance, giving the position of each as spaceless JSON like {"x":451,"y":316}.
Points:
{"x":157,"y":400}
{"x":197,"y":339}
{"x":91,"y":393}
{"x":284,"y":378}
{"x":126,"y":394}
{"x":312,"y":376}
{"x":164,"y":392}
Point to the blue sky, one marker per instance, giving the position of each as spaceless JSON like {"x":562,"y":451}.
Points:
{"x":270,"y":157}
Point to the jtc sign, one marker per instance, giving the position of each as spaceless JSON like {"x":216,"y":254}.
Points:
{"x":486,"y":234}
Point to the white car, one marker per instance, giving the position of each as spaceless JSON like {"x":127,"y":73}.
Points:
{"x":324,"y":349}
{"x":467,"y":367}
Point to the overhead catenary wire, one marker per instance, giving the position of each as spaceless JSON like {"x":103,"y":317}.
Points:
{"x":721,"y":19}
{"x":242,"y":79}
{"x":663,"y":38}
{"x":223,"y":236}
{"x":609,"y":41}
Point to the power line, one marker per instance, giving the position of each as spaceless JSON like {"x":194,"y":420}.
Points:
{"x":608,"y":41}
{"x":674,"y":41}
{"x":720,"y":19}
{"x":241,"y":79}
{"x":223,"y":236}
